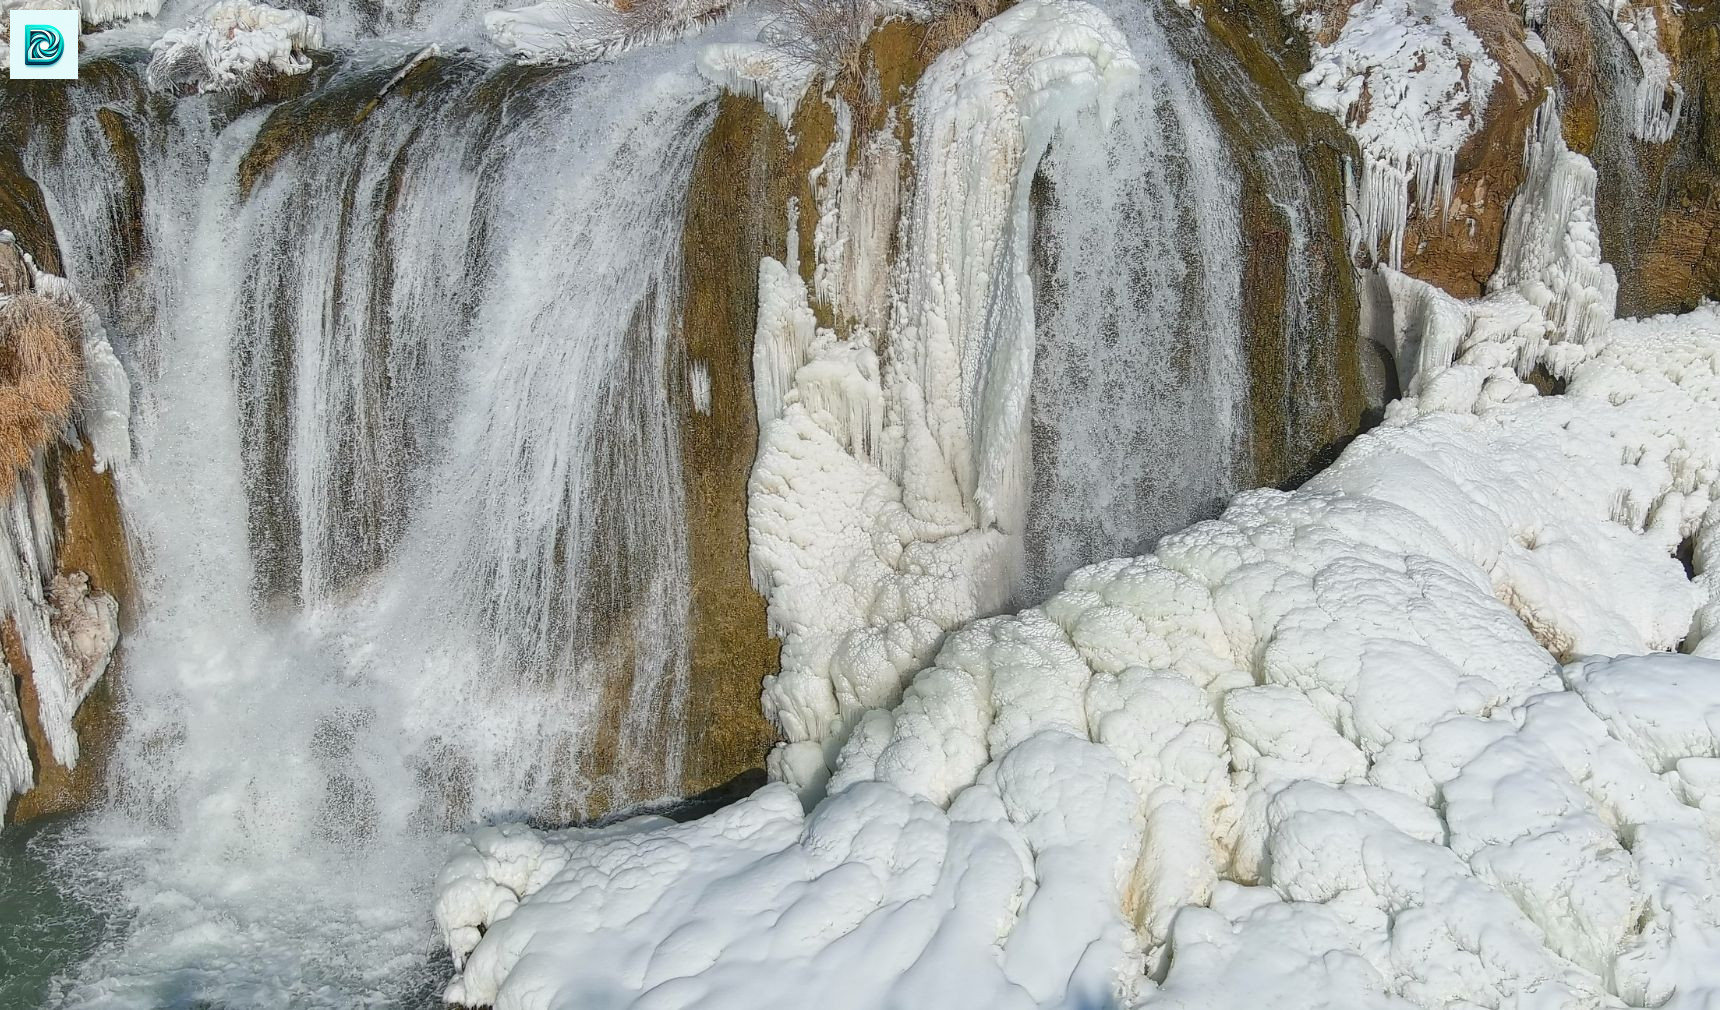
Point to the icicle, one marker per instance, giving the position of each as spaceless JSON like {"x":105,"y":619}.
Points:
{"x":1655,"y":120}
{"x":839,"y":388}
{"x":760,"y":71}
{"x":857,"y":210}
{"x":1550,"y":252}
{"x":782,"y":339}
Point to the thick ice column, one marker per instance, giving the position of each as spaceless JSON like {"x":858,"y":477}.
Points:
{"x":961,"y":353}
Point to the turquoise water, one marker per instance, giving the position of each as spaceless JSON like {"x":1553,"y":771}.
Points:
{"x":47,"y":925}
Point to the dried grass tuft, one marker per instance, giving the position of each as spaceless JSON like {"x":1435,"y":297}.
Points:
{"x":40,"y":367}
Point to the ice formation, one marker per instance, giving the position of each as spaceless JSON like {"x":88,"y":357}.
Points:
{"x":885,"y":502}
{"x":762,"y":71}
{"x":1410,"y":81}
{"x":1336,"y":718}
{"x":1406,"y":736}
{"x":236,"y":45}
{"x":1659,"y":99}
{"x":579,"y":31}
{"x":68,"y":633}
{"x":1548,"y":303}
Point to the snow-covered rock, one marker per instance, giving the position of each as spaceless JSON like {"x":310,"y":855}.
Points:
{"x":67,"y":633}
{"x":236,"y":45}
{"x":1410,"y":80}
{"x":579,"y":31}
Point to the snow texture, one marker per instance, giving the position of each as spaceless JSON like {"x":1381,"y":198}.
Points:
{"x":1318,"y":752}
{"x":885,"y":502}
{"x":235,"y":45}
{"x":1410,"y":81}
{"x":1406,"y":736}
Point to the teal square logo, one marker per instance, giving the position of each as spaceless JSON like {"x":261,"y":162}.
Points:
{"x":42,"y":45}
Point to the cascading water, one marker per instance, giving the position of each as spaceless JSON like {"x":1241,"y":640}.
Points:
{"x":1190,"y":305}
{"x":1140,"y":397}
{"x":441,"y":340}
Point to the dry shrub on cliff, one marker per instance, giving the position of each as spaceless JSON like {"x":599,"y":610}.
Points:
{"x":39,"y":373}
{"x":829,"y":34}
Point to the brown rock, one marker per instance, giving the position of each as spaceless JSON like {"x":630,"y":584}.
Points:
{"x":1459,"y":250}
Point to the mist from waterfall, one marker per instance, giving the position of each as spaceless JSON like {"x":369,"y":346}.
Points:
{"x":406,"y":508}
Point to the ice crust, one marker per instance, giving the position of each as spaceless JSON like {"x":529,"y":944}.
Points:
{"x":1409,"y":735}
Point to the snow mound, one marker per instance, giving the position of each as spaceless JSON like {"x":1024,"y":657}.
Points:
{"x":235,"y":45}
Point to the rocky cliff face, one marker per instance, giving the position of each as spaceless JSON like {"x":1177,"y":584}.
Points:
{"x":756,"y":192}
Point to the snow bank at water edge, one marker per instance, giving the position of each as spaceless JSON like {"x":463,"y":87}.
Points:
{"x":1335,"y":721}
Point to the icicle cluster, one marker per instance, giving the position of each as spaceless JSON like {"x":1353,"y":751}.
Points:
{"x":1410,"y":81}
{"x":1659,"y":99}
{"x":1551,"y":251}
{"x":885,"y":504}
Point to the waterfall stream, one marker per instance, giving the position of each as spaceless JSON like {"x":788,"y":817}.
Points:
{"x":1139,"y":398}
{"x":406,"y":502}
{"x":1144,"y":413}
